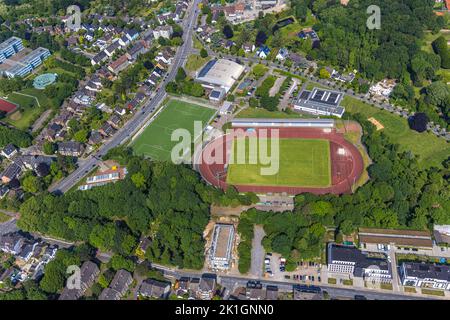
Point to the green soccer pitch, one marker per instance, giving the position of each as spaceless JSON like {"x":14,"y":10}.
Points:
{"x":302,"y":163}
{"x":154,"y":142}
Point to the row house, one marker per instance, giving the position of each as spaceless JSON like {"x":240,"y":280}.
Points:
{"x":70,"y":148}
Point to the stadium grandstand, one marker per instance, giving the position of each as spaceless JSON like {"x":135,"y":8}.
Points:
{"x":282,"y":123}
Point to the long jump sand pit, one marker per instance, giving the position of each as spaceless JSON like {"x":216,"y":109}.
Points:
{"x":376,"y":123}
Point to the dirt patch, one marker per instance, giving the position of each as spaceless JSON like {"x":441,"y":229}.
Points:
{"x":228,"y":211}
{"x":376,"y":123}
{"x":15,"y":116}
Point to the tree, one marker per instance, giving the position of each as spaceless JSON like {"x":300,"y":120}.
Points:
{"x":281,"y":244}
{"x":437,"y":93}
{"x":228,"y":31}
{"x":119,"y":262}
{"x":324,"y":74}
{"x":261,"y":38}
{"x":31,"y":184}
{"x":203,"y":53}
{"x":139,"y":180}
{"x":81,"y":136}
{"x":418,"y":122}
{"x":441,"y":48}
{"x":49,"y":147}
{"x":181,"y":75}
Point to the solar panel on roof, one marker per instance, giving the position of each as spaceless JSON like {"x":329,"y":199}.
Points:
{"x":206,"y":68}
{"x":305,"y":95}
{"x":333,"y":97}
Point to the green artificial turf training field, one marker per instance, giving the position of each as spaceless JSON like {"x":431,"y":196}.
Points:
{"x":302,"y":163}
{"x":155,"y":141}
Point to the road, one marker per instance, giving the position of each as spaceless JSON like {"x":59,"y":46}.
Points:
{"x":232,"y":282}
{"x":142,"y":116}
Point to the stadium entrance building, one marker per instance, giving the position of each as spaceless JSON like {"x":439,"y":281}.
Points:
{"x":320,"y":102}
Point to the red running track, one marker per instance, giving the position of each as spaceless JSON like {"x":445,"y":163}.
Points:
{"x":346,"y":168}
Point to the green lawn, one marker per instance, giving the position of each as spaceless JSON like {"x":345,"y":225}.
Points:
{"x":264,"y":113}
{"x":155,"y":141}
{"x":195,"y":62}
{"x":433,"y":292}
{"x":27,"y":112}
{"x":302,"y":163}
{"x":430,"y":149}
{"x":4,"y":217}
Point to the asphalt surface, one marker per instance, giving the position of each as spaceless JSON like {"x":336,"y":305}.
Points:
{"x":142,"y":116}
{"x":232,"y":282}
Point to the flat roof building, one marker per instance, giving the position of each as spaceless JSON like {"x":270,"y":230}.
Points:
{"x":24,"y":65}
{"x":425,"y":275}
{"x":320,"y":102}
{"x":382,"y":239}
{"x":10,"y":47}
{"x":220,"y":73}
{"x":349,"y":261}
{"x":294,"y":123}
{"x":221,"y":247}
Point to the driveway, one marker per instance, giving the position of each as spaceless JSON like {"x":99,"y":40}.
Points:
{"x":258,"y":253}
{"x":8,"y":227}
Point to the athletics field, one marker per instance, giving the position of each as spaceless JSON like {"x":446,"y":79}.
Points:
{"x":302,"y":163}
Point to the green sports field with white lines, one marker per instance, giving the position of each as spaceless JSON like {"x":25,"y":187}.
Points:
{"x":155,"y":141}
{"x":302,"y":163}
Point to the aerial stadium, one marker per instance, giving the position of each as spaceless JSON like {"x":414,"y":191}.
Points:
{"x":313,"y":157}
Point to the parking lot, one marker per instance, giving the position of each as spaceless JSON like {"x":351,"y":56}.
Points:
{"x":306,"y":272}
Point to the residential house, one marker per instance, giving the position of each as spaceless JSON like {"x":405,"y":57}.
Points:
{"x":11,"y":172}
{"x":182,"y":286}
{"x":131,"y":34}
{"x":282,"y":54}
{"x":248,"y":47}
{"x":9,"y":151}
{"x":107,"y":130}
{"x":154,"y":289}
{"x":206,"y":287}
{"x":164,"y":18}
{"x":99,"y":58}
{"x":310,"y":34}
{"x":89,"y":271}
{"x":95,"y":138}
{"x":254,"y":291}
{"x":118,"y":286}
{"x":119,"y":64}
{"x":166,"y":56}
{"x":120,"y":111}
{"x":12,"y":243}
{"x":271,"y":293}
{"x":4,"y":189}
{"x":70,"y":148}
{"x":136,"y":50}
{"x":153,"y":79}
{"x":113,"y":47}
{"x":263,"y":52}
{"x":163,"y":31}
{"x":124,"y":41}
{"x":114,"y":121}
